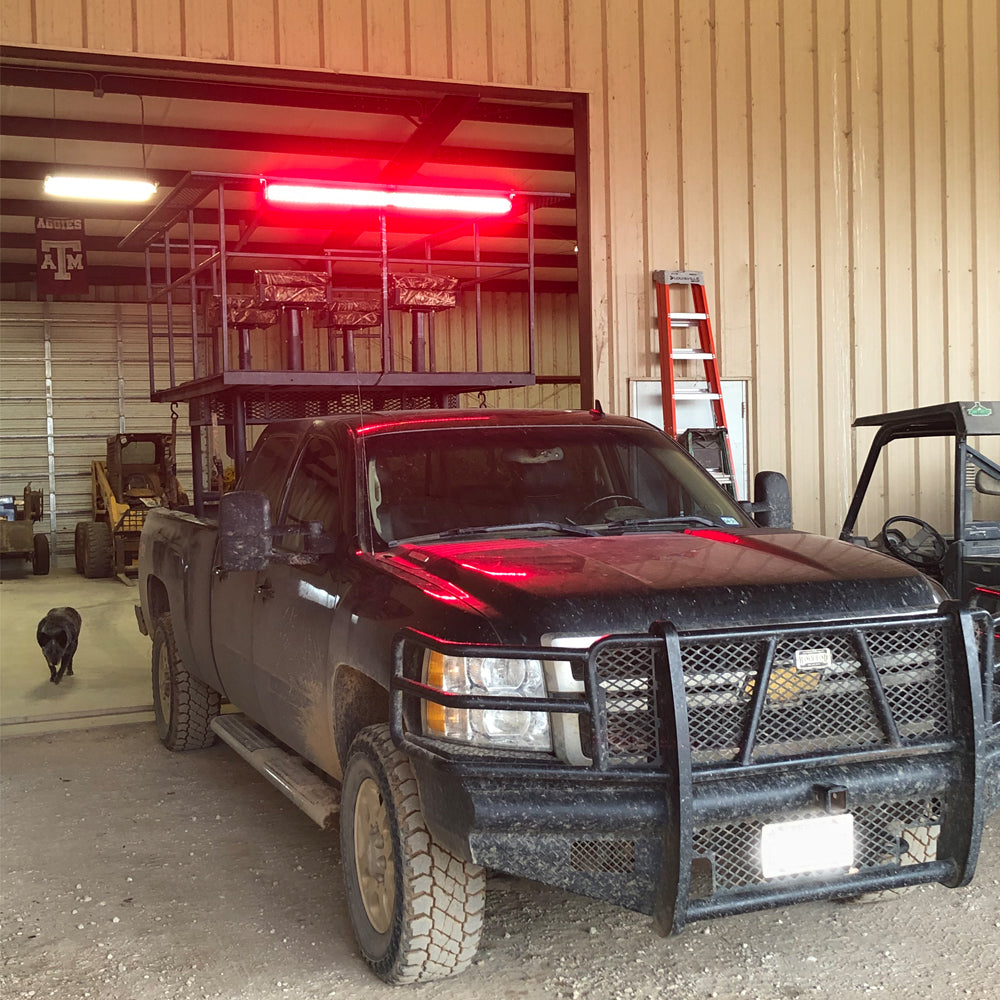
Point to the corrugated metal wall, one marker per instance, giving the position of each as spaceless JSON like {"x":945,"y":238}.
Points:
{"x":70,"y":375}
{"x":831,"y":165}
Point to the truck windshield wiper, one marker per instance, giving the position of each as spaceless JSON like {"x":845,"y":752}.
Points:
{"x":493,"y":529}
{"x":680,"y":522}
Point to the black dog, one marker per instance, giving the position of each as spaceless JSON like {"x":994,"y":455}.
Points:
{"x":58,"y":634}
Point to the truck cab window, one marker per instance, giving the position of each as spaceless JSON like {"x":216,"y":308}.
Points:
{"x":268,"y":472}
{"x":314,"y":495}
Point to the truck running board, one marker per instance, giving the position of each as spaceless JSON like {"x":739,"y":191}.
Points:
{"x":317,"y":799}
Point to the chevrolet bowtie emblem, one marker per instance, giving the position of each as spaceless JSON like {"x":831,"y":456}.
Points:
{"x":786,"y":684}
{"x":789,"y":681}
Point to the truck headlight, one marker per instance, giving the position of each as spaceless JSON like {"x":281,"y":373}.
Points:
{"x":488,"y":675}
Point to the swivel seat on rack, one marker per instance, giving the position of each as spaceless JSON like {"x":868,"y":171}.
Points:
{"x":347,"y":316}
{"x":422,"y":295}
{"x":294,"y":293}
{"x":245,"y":314}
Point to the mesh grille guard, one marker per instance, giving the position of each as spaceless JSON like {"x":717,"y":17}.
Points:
{"x":916,"y":760}
{"x":740,"y":697}
{"x":753,"y":697}
{"x":905,"y":666}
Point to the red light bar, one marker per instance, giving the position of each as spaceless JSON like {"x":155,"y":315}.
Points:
{"x":395,"y":424}
{"x":466,"y":203}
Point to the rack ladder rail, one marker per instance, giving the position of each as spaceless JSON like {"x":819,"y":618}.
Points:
{"x":666,"y":321}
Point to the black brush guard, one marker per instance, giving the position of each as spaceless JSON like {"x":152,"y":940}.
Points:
{"x":648,"y":826}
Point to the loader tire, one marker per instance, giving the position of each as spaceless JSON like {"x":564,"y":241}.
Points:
{"x":98,"y":550}
{"x":80,"y":546}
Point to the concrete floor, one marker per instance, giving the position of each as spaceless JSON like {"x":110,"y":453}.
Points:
{"x":111,"y":670}
{"x":131,"y":873}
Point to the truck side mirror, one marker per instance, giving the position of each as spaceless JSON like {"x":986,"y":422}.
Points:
{"x":244,"y":531}
{"x":772,"y":505}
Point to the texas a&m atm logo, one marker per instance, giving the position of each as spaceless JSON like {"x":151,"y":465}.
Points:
{"x":61,"y":256}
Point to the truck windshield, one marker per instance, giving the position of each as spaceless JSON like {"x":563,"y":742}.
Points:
{"x":436,"y":482}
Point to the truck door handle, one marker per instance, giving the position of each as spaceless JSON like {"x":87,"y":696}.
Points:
{"x":265,"y":590}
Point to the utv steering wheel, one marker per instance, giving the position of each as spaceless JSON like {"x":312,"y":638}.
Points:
{"x":630,"y":501}
{"x":925,"y":549}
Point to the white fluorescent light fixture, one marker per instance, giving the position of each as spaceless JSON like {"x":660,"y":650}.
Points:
{"x":463,"y":203}
{"x":100,"y":188}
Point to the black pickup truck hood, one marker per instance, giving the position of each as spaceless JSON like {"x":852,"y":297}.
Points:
{"x":696,"y":579}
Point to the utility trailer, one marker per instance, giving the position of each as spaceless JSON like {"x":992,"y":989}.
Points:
{"x":18,"y":539}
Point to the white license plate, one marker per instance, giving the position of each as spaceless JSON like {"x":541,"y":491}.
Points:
{"x":797,"y":847}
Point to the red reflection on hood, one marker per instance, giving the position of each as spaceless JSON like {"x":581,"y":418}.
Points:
{"x":493,"y":572}
{"x":757,"y":543}
{"x":716,"y":535}
{"x":441,"y":595}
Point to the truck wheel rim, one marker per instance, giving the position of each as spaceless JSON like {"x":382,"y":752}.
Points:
{"x":163,"y":691}
{"x":373,"y":855}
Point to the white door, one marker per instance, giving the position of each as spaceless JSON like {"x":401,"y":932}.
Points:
{"x":646,"y":403}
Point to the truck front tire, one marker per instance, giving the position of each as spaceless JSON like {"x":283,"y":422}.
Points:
{"x":184,"y":706}
{"x":416,"y":908}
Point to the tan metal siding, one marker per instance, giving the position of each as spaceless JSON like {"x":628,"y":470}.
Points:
{"x":547,"y":37}
{"x":864,"y":208}
{"x":159,"y":27}
{"x":833,"y":275}
{"x":206,"y":35}
{"x":107,"y":23}
{"x":431,"y":18}
{"x":470,"y":57}
{"x":831,"y":166}
{"x":982,"y":160}
{"x":801,"y":251}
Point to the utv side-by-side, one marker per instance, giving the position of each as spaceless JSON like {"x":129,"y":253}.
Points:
{"x":961,"y":548}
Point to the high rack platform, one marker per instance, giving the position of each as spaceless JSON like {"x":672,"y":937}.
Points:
{"x":329,"y":309}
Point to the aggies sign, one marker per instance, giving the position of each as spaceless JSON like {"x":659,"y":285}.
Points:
{"x":62,"y":260}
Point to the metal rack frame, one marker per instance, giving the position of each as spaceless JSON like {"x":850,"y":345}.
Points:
{"x":236,"y":396}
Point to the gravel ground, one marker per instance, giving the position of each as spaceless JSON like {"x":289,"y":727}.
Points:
{"x":130,"y":873}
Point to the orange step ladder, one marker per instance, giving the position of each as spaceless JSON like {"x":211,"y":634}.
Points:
{"x":710,"y":445}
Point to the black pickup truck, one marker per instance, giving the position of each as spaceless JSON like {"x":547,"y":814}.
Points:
{"x":549,"y":644}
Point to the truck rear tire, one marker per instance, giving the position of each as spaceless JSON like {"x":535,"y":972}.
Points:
{"x":416,"y":908}
{"x":40,"y":555}
{"x":184,"y":706}
{"x":98,"y":550}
